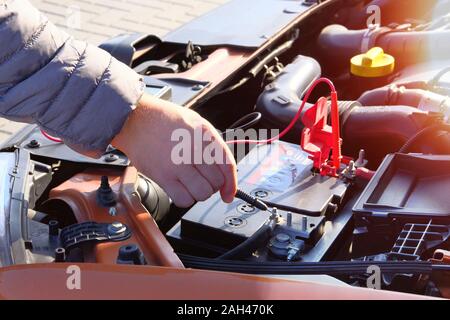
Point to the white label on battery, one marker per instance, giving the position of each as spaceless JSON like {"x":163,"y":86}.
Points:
{"x":286,"y":166}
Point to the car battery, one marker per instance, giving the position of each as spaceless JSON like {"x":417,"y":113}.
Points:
{"x":280,"y":174}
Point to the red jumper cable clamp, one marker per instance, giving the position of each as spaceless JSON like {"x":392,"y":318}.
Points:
{"x":319,"y":138}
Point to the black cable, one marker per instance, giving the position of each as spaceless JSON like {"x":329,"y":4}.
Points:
{"x":422,"y":133}
{"x":257,"y":203}
{"x":264,"y":204}
{"x":441,"y":267}
{"x":272,"y":55}
{"x":248,"y":246}
{"x":253,"y":72}
{"x":312,"y":268}
{"x":247,"y":121}
{"x":235,"y":86}
{"x":286,"y":208}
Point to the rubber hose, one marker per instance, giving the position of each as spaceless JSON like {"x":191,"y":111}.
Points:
{"x":393,"y":95}
{"x":154,"y":199}
{"x":339,"y":44}
{"x":422,"y":134}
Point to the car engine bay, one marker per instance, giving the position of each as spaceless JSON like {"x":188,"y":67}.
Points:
{"x":361,"y":179}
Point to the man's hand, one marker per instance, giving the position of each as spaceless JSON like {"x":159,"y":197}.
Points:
{"x":146,"y":140}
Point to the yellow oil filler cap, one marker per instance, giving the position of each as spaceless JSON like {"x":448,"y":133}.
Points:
{"x":373,"y":64}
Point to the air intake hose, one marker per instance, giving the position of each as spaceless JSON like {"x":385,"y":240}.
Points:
{"x":154,"y":199}
{"x":418,"y":98}
{"x":283,"y":95}
{"x":338,"y":44}
{"x":381,"y":130}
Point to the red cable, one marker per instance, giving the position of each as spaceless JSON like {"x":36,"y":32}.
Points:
{"x":284,"y":132}
{"x":365,"y":174}
{"x":49,"y":137}
{"x":297,"y":116}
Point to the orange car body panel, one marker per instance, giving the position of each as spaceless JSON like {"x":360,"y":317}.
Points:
{"x":79,"y":192}
{"x":100,"y":281}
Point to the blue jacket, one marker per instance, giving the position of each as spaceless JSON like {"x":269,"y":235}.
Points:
{"x":71,"y":89}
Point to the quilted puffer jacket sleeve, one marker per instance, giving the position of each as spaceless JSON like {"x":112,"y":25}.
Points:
{"x":71,"y":89}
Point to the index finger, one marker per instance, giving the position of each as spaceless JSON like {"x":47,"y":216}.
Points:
{"x":227,"y":166}
{"x":229,"y":171}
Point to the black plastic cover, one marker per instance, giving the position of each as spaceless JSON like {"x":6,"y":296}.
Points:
{"x":124,"y":46}
{"x":181,"y":90}
{"x":408,"y":185}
